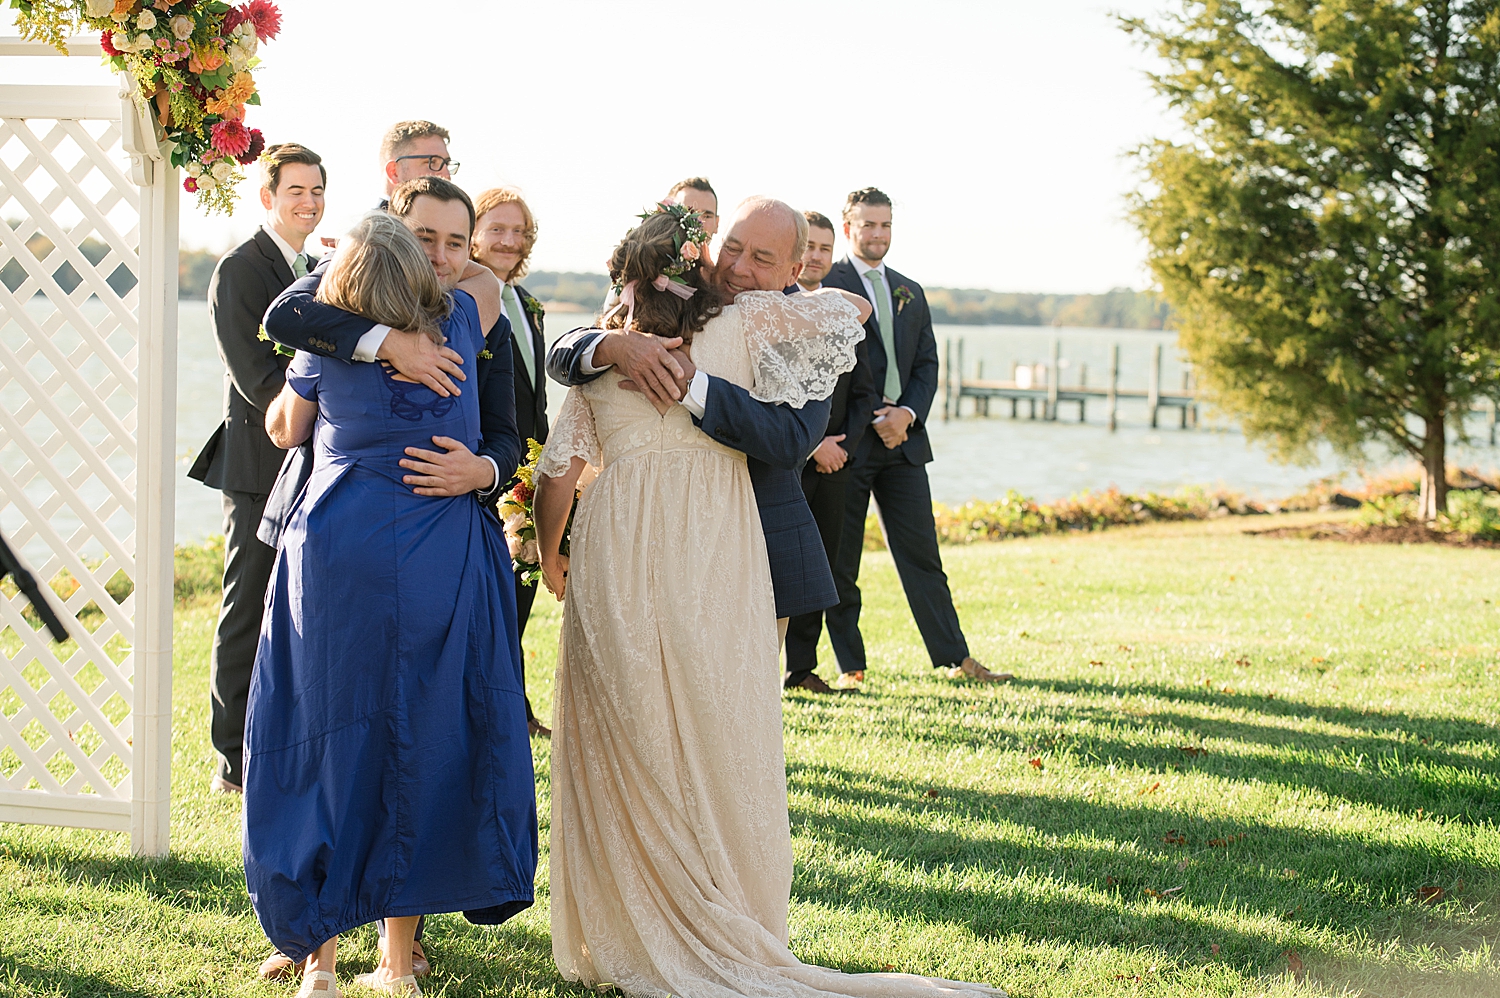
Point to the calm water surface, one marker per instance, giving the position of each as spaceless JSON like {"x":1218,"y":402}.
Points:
{"x":974,"y":457}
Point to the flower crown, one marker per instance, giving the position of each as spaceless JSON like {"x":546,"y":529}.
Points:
{"x":688,"y":240}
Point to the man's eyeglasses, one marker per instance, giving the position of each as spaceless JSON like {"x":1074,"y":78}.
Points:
{"x":436,"y":164}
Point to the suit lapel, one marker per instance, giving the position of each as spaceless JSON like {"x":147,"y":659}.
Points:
{"x":274,"y":259}
{"x":875,"y":346}
{"x":538,"y":352}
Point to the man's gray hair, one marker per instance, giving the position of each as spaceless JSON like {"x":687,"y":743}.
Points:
{"x":759,"y":202}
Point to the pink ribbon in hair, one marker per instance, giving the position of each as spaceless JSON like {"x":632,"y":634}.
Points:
{"x":662,"y":283}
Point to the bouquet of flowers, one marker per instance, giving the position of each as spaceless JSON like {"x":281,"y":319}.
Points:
{"x":520,"y":525}
{"x":192,"y":61}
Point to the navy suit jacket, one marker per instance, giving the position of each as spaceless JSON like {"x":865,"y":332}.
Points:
{"x":776,"y":440}
{"x":298,"y":320}
{"x":916,"y":352}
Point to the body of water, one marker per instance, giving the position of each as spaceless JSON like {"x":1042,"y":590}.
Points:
{"x":974,"y":457}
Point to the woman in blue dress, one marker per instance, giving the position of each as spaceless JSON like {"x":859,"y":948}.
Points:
{"x":388,"y":770}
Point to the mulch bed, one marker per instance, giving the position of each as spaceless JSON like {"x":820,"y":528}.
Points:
{"x":1353,"y":533}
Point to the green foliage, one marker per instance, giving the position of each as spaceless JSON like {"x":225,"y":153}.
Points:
{"x":1120,"y":308}
{"x":199,"y":571}
{"x":1387,"y":511}
{"x":1474,"y":513}
{"x":1329,"y":230}
{"x":584,"y":290}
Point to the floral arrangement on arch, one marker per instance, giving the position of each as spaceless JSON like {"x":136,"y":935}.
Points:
{"x":193,"y":62}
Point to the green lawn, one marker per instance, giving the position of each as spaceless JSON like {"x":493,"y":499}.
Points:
{"x":1222,"y":749}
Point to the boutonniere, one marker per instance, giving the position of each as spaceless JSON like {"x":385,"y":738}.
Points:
{"x":532,"y":306}
{"x":485,"y":355}
{"x":902,"y":295}
{"x":281,"y":351}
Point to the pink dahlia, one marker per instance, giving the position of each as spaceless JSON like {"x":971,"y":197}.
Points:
{"x":190,"y":184}
{"x":267,"y":18}
{"x":230,"y":137}
{"x":257,"y":146}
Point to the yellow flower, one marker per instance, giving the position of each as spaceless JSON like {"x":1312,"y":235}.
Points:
{"x":231,"y":101}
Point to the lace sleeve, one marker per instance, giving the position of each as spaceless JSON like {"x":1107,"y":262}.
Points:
{"x":573,"y":435}
{"x":799,"y":344}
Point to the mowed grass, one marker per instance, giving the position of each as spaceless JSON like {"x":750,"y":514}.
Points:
{"x":1221,"y":750}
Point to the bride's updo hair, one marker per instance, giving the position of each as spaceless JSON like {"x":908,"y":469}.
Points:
{"x":646,"y":251}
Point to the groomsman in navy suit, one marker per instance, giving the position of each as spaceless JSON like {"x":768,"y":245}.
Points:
{"x":239,"y":459}
{"x":825,"y":477}
{"x":890,"y":462}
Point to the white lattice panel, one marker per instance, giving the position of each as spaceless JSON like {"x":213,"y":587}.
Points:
{"x":86,"y":353}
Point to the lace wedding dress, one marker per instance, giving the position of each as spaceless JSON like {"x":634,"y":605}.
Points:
{"x":671,"y":860}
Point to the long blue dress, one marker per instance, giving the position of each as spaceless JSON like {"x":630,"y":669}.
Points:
{"x":387,"y":763}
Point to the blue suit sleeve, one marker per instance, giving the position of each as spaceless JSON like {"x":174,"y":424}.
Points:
{"x":566,"y":356}
{"x":298,"y":320}
{"x":779,"y":435}
{"x":500,"y":439}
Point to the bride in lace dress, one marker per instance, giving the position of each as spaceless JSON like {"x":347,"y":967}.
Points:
{"x":671,"y":853}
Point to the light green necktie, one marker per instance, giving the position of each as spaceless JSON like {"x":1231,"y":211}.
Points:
{"x":299,"y":265}
{"x":519,"y":329}
{"x":887,"y":335}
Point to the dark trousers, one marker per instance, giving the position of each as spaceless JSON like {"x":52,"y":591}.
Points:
{"x":525,"y":596}
{"x":247,"y":571}
{"x":904,"y":501}
{"x":826,"y":497}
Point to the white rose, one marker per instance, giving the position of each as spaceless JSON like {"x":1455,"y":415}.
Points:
{"x":193,"y":168}
{"x":207,"y":182}
{"x":514,"y":544}
{"x":237,"y":57}
{"x":146,"y":21}
{"x":222,"y":168}
{"x":531,"y":552}
{"x":143,"y":42}
{"x":245,"y":30}
{"x":182,"y":27}
{"x":101,"y":8}
{"x":514,"y":522}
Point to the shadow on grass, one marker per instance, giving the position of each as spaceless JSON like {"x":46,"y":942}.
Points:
{"x":1386,"y":764}
{"x":58,"y":980}
{"x":1081,"y":870}
{"x":179,"y":882}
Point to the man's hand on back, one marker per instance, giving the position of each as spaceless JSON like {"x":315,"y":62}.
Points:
{"x":415,"y":356}
{"x":689,"y":369}
{"x":451,"y":472}
{"x":646,"y":361}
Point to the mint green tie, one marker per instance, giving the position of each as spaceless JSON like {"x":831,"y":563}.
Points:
{"x":519,"y":330}
{"x":887,"y":335}
{"x":299,"y":265}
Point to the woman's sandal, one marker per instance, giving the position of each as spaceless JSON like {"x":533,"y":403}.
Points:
{"x":400,"y":986}
{"x":319,"y":984}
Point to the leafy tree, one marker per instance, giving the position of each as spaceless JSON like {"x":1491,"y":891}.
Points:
{"x":1328,"y":225}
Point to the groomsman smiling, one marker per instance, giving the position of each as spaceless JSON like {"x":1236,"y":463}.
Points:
{"x":890,"y":463}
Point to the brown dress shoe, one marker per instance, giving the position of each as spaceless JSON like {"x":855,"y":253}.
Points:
{"x":277,"y":967}
{"x":970,"y":669}
{"x":813,"y":684}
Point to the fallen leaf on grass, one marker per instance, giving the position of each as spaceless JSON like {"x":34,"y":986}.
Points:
{"x":1242,"y":661}
{"x":1095,"y":662}
{"x":1175,"y":838}
{"x":1229,"y":840}
{"x":1294,"y":961}
{"x":1034,"y":763}
{"x":1111,"y":882}
{"x":933,"y":793}
{"x":1318,"y":661}
{"x":1160,"y":894}
{"x":1125,"y":648}
{"x":1213,"y":948}
{"x":1430,"y":895}
{"x":1192,"y":750}
{"x":889,"y":966}
{"x":1153,"y":788}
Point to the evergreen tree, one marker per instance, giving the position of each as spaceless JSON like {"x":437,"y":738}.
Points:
{"x":1328,"y":226}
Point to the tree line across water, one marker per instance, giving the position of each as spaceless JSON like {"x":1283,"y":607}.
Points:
{"x":1120,"y":308}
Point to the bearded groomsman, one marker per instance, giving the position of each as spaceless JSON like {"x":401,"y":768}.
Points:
{"x":503,"y":239}
{"x":825,"y":477}
{"x":890,"y":461}
{"x":239,"y":459}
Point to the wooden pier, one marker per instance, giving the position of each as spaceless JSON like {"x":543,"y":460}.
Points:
{"x":1040,"y":386}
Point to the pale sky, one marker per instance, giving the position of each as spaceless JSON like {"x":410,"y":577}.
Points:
{"x":997,"y":126}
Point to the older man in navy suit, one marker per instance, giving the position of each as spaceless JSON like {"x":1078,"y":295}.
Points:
{"x":890,"y":463}
{"x":762,"y":251}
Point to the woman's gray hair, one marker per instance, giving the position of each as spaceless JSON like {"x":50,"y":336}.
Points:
{"x":380,"y":272}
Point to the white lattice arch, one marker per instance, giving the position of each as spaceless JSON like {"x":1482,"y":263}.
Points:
{"x":88,"y":362}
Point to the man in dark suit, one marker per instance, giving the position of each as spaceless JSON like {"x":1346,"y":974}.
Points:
{"x":890,"y":461}
{"x":762,"y":251}
{"x":825,"y":477}
{"x":504,"y":236}
{"x":239,"y":459}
